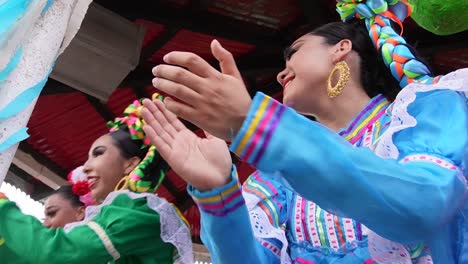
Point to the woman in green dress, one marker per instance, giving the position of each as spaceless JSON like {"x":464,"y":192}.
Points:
{"x":128,"y":224}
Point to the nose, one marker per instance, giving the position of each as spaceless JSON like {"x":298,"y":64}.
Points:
{"x":281,"y":75}
{"x":87,"y":167}
{"x":47,"y":223}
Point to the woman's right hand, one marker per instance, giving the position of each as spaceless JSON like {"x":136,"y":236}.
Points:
{"x":204,"y":163}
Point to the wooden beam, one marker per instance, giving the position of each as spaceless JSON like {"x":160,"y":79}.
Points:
{"x":100,"y":108}
{"x":27,"y":163}
{"x":201,"y":253}
{"x":54,"y":167}
{"x":158,"y":43}
{"x":195,"y":18}
{"x":55,"y":87}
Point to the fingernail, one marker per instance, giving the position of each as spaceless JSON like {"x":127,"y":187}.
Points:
{"x":155,"y":70}
{"x":166,"y":57}
{"x":155,"y":82}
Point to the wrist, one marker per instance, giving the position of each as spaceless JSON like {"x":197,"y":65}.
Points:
{"x":208,"y":186}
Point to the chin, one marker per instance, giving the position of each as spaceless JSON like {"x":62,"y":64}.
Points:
{"x":288,"y":101}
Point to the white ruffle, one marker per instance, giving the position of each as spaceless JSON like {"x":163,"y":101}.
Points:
{"x":262,"y":228}
{"x":173,"y":228}
{"x":401,"y":119}
{"x":382,"y":250}
{"x":12,"y":40}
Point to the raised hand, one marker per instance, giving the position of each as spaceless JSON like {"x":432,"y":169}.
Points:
{"x":215,"y":101}
{"x":205,"y":163}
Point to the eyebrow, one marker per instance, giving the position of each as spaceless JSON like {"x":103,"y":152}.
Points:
{"x":288,"y":50}
{"x":52,"y":207}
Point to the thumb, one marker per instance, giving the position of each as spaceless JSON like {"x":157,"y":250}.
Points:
{"x":225,"y":59}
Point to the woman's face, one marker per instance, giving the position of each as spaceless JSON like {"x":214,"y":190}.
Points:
{"x":105,"y":167}
{"x":309,"y":61}
{"x":59,"y":211}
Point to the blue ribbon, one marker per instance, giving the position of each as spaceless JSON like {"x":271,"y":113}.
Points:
{"x":22,"y":100}
{"x":10,"y":12}
{"x":18,"y":136}
{"x":11,"y":64}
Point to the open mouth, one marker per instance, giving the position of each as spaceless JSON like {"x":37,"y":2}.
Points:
{"x":92,"y":181}
{"x":287,"y":81}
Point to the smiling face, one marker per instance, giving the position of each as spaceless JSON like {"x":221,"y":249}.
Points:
{"x":59,"y":211}
{"x":105,"y":167}
{"x":309,"y":61}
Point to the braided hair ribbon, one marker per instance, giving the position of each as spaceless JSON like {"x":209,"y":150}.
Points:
{"x":133,"y":120}
{"x":398,"y":57}
{"x":139,"y":179}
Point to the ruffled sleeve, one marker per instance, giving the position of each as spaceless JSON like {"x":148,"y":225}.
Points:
{"x":127,"y":226}
{"x":401,"y":197}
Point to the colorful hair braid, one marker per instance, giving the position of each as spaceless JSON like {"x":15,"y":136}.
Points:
{"x":399,"y":58}
{"x":139,"y":179}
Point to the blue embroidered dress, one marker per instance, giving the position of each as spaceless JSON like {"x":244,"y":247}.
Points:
{"x":414,"y":196}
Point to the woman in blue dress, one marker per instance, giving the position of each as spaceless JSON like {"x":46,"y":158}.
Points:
{"x":375,"y":180}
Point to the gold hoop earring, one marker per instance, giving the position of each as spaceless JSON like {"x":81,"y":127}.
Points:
{"x":122,"y":184}
{"x":334,"y":91}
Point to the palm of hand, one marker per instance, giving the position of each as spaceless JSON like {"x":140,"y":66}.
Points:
{"x":205,"y":163}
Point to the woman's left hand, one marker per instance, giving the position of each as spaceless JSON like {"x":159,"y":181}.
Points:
{"x":217,"y":102}
{"x":205,"y":163}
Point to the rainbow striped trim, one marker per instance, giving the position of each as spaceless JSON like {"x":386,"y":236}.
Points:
{"x":221,"y":201}
{"x":267,"y":193}
{"x":257,"y":130}
{"x":375,"y":109}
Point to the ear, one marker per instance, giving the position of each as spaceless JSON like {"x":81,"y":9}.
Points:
{"x":81,"y":213}
{"x":341,"y":50}
{"x":130,"y":164}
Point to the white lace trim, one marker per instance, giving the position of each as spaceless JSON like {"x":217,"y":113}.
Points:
{"x":12,"y":40}
{"x":173,"y":229}
{"x":382,"y":250}
{"x":401,"y":119}
{"x":262,"y":228}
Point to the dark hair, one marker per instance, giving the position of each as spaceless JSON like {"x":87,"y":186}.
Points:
{"x":128,"y":147}
{"x":66,"y":193}
{"x":376,"y":78}
{"x":132,"y":147}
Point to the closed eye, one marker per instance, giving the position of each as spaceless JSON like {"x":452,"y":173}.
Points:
{"x":288,"y":52}
{"x":97,"y":151}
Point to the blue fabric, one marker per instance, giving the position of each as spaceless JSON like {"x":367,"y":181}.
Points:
{"x":411,"y":202}
{"x":11,"y":64}
{"x":10,"y":12}
{"x":225,"y":238}
{"x":48,"y":5}
{"x":22,"y":100}
{"x":18,"y":136}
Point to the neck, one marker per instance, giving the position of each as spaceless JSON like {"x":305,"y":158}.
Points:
{"x":342,"y":109}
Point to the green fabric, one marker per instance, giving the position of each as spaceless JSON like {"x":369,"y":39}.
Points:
{"x":133,"y":228}
{"x":7,"y":254}
{"x":441,"y":17}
